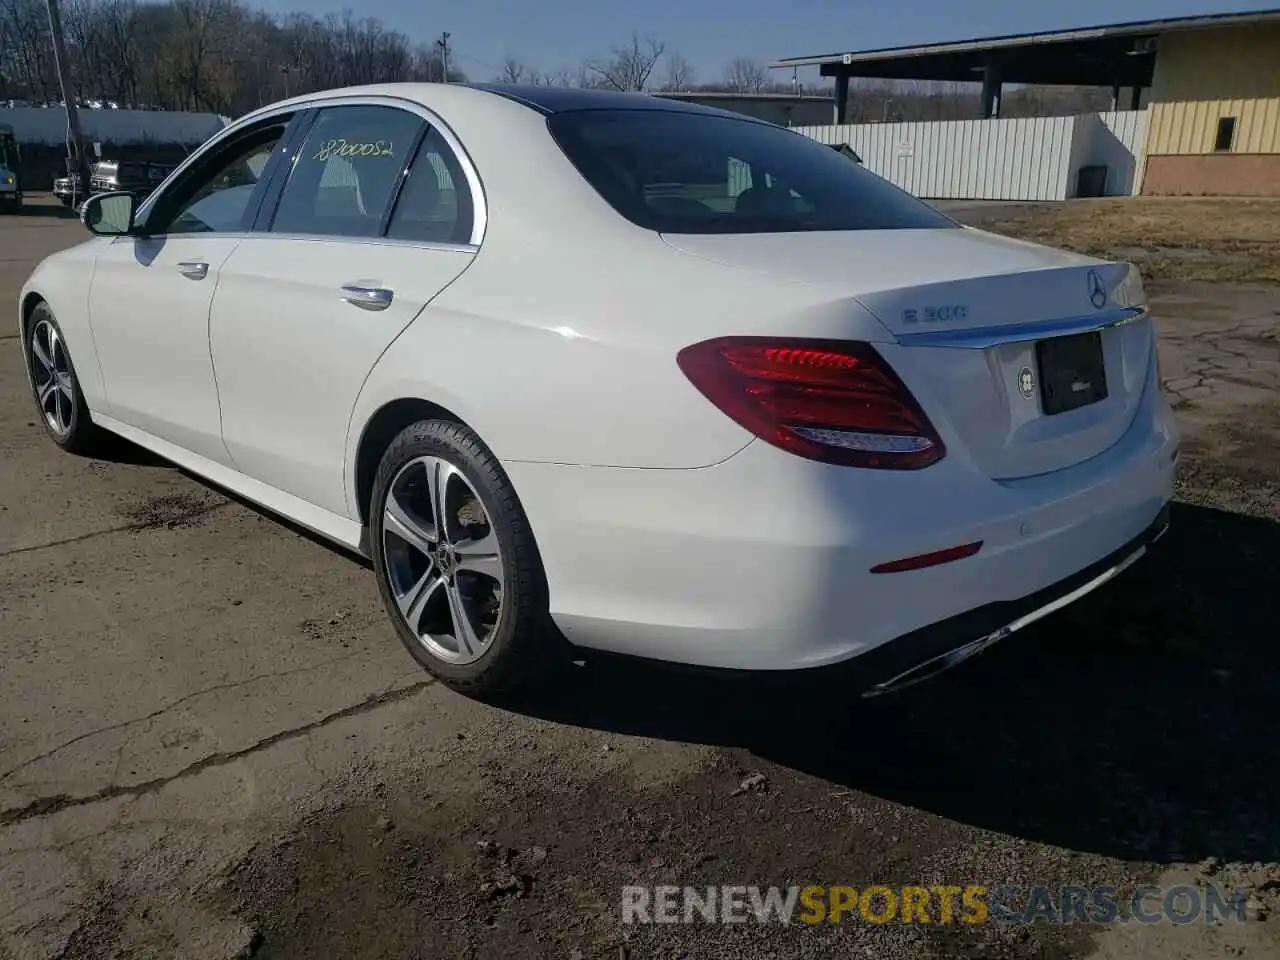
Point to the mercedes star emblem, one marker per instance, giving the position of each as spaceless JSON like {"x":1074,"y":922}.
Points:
{"x":1097,"y":290}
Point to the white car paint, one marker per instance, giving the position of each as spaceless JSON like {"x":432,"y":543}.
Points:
{"x":666,"y":529}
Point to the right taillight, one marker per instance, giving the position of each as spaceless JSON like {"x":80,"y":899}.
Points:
{"x":831,"y":400}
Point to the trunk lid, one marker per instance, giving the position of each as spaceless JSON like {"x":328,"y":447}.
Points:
{"x":1034,"y":359}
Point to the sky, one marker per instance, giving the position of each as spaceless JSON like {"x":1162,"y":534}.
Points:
{"x":550,"y":34}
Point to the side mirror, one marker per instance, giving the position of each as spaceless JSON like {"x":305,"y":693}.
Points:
{"x":109,"y":214}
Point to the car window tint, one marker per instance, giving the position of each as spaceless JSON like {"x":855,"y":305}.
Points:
{"x":435,"y":205}
{"x":345,"y":173}
{"x":679,"y":172}
{"x":217,"y":195}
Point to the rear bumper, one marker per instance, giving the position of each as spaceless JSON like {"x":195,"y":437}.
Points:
{"x":933,"y":649}
{"x":763,"y":561}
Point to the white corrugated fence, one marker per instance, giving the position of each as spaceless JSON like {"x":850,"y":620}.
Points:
{"x":1034,"y":158}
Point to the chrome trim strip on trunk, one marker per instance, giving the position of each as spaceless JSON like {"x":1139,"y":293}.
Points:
{"x":981,"y":338}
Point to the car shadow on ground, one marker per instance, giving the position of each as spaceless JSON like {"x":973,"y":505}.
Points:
{"x":114,"y":449}
{"x":1138,"y":723}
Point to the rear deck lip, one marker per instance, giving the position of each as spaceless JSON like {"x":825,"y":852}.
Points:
{"x":982,"y":338}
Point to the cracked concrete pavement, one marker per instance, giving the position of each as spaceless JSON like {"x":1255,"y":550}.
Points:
{"x":212,"y":745}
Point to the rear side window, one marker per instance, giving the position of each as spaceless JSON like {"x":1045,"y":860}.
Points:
{"x":698,"y":173}
{"x":346,"y":172}
{"x":435,"y":203}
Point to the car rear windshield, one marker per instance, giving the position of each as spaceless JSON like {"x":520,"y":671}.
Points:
{"x":678,"y":172}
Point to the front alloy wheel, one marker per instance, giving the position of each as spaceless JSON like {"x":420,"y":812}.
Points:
{"x":52,"y":377}
{"x":53,"y":382}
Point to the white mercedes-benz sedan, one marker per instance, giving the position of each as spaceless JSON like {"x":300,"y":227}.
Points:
{"x":609,"y":369}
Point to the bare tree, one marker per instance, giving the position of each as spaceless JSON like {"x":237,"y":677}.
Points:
{"x":27,"y":53}
{"x":679,"y":73}
{"x":744,"y":75}
{"x":202,"y":33}
{"x":515,"y":70}
{"x":230,"y":57}
{"x":630,"y":66}
{"x":563,"y":77}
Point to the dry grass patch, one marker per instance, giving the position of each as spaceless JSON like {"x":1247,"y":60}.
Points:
{"x":1169,"y":238}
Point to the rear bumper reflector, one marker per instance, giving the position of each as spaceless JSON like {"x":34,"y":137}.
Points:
{"x":928,"y":559}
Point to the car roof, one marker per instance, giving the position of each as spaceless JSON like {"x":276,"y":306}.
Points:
{"x":543,"y":100}
{"x":552,"y":100}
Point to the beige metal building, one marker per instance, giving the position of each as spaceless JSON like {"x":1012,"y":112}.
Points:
{"x":1214,"y":123}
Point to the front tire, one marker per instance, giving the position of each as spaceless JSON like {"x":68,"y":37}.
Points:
{"x":54,"y":385}
{"x":456,"y":562}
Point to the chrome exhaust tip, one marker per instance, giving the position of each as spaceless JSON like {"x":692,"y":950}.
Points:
{"x":936,"y":665}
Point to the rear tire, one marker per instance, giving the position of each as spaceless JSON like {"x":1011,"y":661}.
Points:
{"x":456,"y":562}
{"x":54,"y":384}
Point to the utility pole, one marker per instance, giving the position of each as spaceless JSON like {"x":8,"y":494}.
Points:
{"x":443,"y":44}
{"x":68,"y":95}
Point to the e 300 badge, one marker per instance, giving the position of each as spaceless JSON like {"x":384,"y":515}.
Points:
{"x":951,"y":313}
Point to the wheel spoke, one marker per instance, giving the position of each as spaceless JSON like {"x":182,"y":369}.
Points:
{"x":47,"y":389}
{"x":480,"y":556}
{"x":65,"y":384}
{"x":464,"y":631}
{"x":442,"y":475}
{"x":413,"y":602}
{"x":400,"y":523}
{"x":40,"y":353}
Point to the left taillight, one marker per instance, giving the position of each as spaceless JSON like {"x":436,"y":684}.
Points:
{"x":835,"y":401}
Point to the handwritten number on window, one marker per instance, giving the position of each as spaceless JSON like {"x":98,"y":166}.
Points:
{"x":339,"y":147}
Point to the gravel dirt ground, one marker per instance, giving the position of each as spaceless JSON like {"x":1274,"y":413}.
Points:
{"x":212,"y":745}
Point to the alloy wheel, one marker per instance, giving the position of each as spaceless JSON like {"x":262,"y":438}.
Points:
{"x":51,"y":374}
{"x":442,"y":559}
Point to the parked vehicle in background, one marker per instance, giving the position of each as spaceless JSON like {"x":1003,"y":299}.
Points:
{"x":10,"y":167}
{"x":68,"y":189}
{"x":138,"y":177}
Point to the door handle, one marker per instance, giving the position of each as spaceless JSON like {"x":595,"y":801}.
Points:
{"x":194,"y":269}
{"x":367,"y":298}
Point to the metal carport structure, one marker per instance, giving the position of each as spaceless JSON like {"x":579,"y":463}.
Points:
{"x":1120,"y":56}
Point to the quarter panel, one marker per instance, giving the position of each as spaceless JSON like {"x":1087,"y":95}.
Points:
{"x":551,"y":394}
